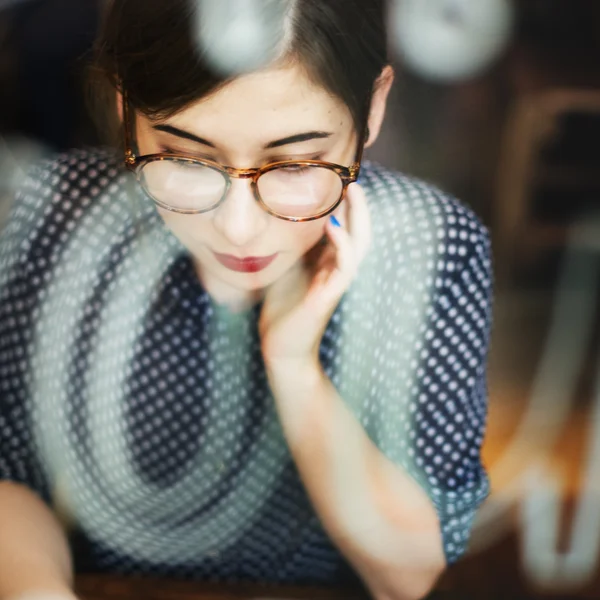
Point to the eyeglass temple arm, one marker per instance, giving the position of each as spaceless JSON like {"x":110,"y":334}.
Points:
{"x":363,"y":139}
{"x":127,"y":133}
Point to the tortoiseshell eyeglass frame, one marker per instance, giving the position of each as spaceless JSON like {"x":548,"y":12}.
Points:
{"x":135,"y":164}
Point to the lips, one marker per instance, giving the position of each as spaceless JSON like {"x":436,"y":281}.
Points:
{"x":251,"y":264}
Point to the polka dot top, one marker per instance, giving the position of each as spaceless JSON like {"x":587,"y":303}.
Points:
{"x":139,"y":409}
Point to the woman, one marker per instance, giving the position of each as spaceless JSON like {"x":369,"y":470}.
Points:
{"x":230,"y":361}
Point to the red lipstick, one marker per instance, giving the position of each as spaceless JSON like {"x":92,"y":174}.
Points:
{"x":251,"y":264}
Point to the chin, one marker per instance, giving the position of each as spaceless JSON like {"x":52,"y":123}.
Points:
{"x":253,"y":285}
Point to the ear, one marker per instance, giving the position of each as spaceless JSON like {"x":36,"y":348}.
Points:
{"x":379,"y":102}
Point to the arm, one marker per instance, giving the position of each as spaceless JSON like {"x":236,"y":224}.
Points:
{"x":374,"y":511}
{"x":398,"y":534}
{"x":34,"y":553}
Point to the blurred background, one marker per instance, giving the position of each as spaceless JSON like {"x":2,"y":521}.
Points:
{"x":497,"y":102}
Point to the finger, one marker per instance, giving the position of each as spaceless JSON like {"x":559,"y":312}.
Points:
{"x":336,"y":268}
{"x":335,"y":273}
{"x":345,"y":265}
{"x":344,"y":247}
{"x":359,"y":220}
{"x":342,"y":211}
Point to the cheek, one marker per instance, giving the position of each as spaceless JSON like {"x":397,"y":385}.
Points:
{"x":173,"y":221}
{"x":302,"y":236}
{"x":186,"y":227}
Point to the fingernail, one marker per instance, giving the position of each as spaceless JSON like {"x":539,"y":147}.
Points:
{"x":334,"y":221}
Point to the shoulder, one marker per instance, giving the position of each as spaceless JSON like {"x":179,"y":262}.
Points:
{"x":69,"y":179}
{"x":403,"y":200}
{"x":414,"y":220}
{"x":58,"y":193}
{"x":430,"y":256}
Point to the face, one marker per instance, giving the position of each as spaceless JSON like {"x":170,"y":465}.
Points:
{"x":238,"y":248}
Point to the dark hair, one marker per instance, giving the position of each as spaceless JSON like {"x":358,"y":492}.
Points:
{"x":147,"y":48}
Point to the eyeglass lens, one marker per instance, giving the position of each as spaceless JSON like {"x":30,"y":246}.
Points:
{"x":294,"y":191}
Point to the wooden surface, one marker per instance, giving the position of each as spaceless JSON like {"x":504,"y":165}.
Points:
{"x":119,"y":588}
{"x":102,"y":587}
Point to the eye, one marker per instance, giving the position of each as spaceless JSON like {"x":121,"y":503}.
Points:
{"x":296,"y":169}
{"x":166,"y":150}
{"x":189,"y":166}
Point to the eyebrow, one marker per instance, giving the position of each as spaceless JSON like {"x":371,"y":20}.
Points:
{"x":292,"y":139}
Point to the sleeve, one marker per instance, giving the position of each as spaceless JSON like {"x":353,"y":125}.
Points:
{"x":17,"y":458}
{"x":415,"y":337}
{"x":453,"y":397}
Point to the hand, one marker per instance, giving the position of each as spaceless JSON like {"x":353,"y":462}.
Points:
{"x":299,"y":305}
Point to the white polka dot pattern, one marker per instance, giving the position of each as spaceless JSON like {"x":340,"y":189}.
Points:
{"x":126,"y":391}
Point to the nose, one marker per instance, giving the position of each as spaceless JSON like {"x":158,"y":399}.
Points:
{"x":239,"y":218}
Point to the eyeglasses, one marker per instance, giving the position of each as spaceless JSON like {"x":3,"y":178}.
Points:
{"x":299,"y":190}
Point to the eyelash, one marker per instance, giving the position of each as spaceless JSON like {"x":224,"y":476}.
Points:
{"x":167,"y":150}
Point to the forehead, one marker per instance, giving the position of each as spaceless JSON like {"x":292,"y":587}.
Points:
{"x":268,"y":103}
